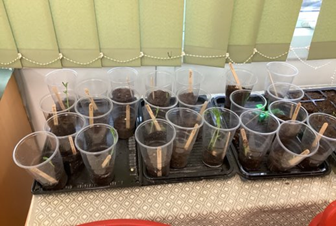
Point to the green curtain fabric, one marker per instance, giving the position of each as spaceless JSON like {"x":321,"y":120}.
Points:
{"x":33,"y":30}
{"x":8,"y":51}
{"x":118,"y":29}
{"x":207,"y":30}
{"x":76,"y":31}
{"x":276,"y":28}
{"x":161,"y":26}
{"x":244,"y":28}
{"x":323,"y":44}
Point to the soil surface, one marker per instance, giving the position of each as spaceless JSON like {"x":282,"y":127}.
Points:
{"x":160,"y":98}
{"x":310,"y":107}
{"x":211,"y":159}
{"x":252,"y":162}
{"x":315,"y":95}
{"x":295,"y":94}
{"x":229,"y":90}
{"x":62,"y":180}
{"x":283,"y":117}
{"x":188,"y":98}
{"x":123,"y":95}
{"x":120,"y":126}
{"x":326,"y":107}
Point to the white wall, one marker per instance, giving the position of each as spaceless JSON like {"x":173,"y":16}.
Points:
{"x":33,"y":87}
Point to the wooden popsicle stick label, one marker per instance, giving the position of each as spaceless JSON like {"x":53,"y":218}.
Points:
{"x":151,"y":114}
{"x":60,"y":102}
{"x":190,"y":81}
{"x":294,"y":161}
{"x":87,"y":92}
{"x":320,"y":134}
{"x":226,"y":144}
{"x":235,"y":76}
{"x":128,"y":116}
{"x":296,"y":111}
{"x":72,"y":145}
{"x":191,"y":137}
{"x":159,"y":161}
{"x":205,"y":104}
{"x":54,"y":111}
{"x":90,"y":114}
{"x":271,"y":79}
{"x":106,"y":161}
{"x":44,"y":175}
{"x":245,"y":141}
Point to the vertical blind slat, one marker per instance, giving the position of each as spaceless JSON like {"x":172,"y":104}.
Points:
{"x":76,"y":31}
{"x":8,"y":51}
{"x":244,"y":28}
{"x":161,"y":25}
{"x":207,"y":30}
{"x":323,"y":44}
{"x":33,"y":30}
{"x":276,"y":28}
{"x":118,"y":29}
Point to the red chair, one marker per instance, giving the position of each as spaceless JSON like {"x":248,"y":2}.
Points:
{"x":123,"y":222}
{"x":327,"y":217}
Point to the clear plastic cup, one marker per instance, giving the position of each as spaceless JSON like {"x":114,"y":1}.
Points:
{"x":182,"y":79}
{"x":288,"y":149}
{"x":68,"y":126}
{"x":327,"y":142}
{"x":194,"y":100}
{"x":156,"y":145}
{"x":280,"y":72}
{"x":97,"y":145}
{"x":69,"y":101}
{"x":38,"y":154}
{"x":96,"y":88}
{"x":122,"y":122}
{"x":284,"y":110}
{"x":243,"y":100}
{"x":159,"y":80}
{"x":121,"y":78}
{"x":247,"y":81}
{"x":160,"y":101}
{"x":260,"y":129}
{"x":283,"y":91}
{"x":187,"y":124}
{"x":219,"y":128}
{"x":102,"y":115}
{"x":59,"y":78}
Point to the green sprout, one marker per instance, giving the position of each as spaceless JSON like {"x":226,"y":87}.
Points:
{"x":215,"y":135}
{"x":46,"y":158}
{"x":65,"y":84}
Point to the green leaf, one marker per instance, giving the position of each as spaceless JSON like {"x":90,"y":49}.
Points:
{"x":45,"y":159}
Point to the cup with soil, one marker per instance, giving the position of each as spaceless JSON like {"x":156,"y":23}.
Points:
{"x":187,"y":123}
{"x":68,"y":101}
{"x":155,"y":140}
{"x":188,"y":78}
{"x":260,"y":129}
{"x":284,"y":110}
{"x":58,"y":78}
{"x":103,"y":112}
{"x":122,"y":83}
{"x":327,"y":141}
{"x":124,"y":116}
{"x":159,"y":80}
{"x":65,"y":126}
{"x":289,"y":149}
{"x":220,"y":125}
{"x":160,"y":101}
{"x":97,"y":144}
{"x":283,"y":91}
{"x":243,"y":100}
{"x":280,"y":72}
{"x":38,"y":154}
{"x":96,"y":88}
{"x":247,"y":81}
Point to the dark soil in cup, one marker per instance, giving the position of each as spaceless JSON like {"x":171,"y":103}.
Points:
{"x":326,"y":107}
{"x":72,"y":163}
{"x":283,"y":117}
{"x":188,"y":98}
{"x":310,"y":107}
{"x":210,"y":158}
{"x":229,"y":90}
{"x":179,"y":158}
{"x":315,"y":95}
{"x":58,"y":107}
{"x":156,"y":139}
{"x":66,"y":126}
{"x":62,"y":181}
{"x":120,"y":126}
{"x":123,"y":95}
{"x":274,"y":162}
{"x":295,"y":94}
{"x":160,"y":98}
{"x":252,"y":162}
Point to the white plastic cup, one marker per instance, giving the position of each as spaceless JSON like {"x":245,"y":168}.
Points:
{"x":280,"y":72}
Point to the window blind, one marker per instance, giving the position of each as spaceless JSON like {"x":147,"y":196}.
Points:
{"x":118,"y":30}
{"x":76,"y":31}
{"x":161,"y":25}
{"x":323,"y":44}
{"x":32,"y":28}
{"x":276,"y":28}
{"x":207,"y":29}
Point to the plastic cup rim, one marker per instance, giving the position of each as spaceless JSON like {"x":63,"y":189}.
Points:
{"x":185,"y":69}
{"x":95,"y":117}
{"x":194,"y":105}
{"x":222,"y":129}
{"x":187,"y":109}
{"x":290,"y":85}
{"x":256,"y":94}
{"x":109,"y":72}
{"x":57,"y":70}
{"x":252,"y":131}
{"x":287,"y":101}
{"x":163,"y":108}
{"x":243,"y":70}
{"x":317,"y":132}
{"x":61,"y":111}
{"x":269,"y":64}
{"x":136,"y":95}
